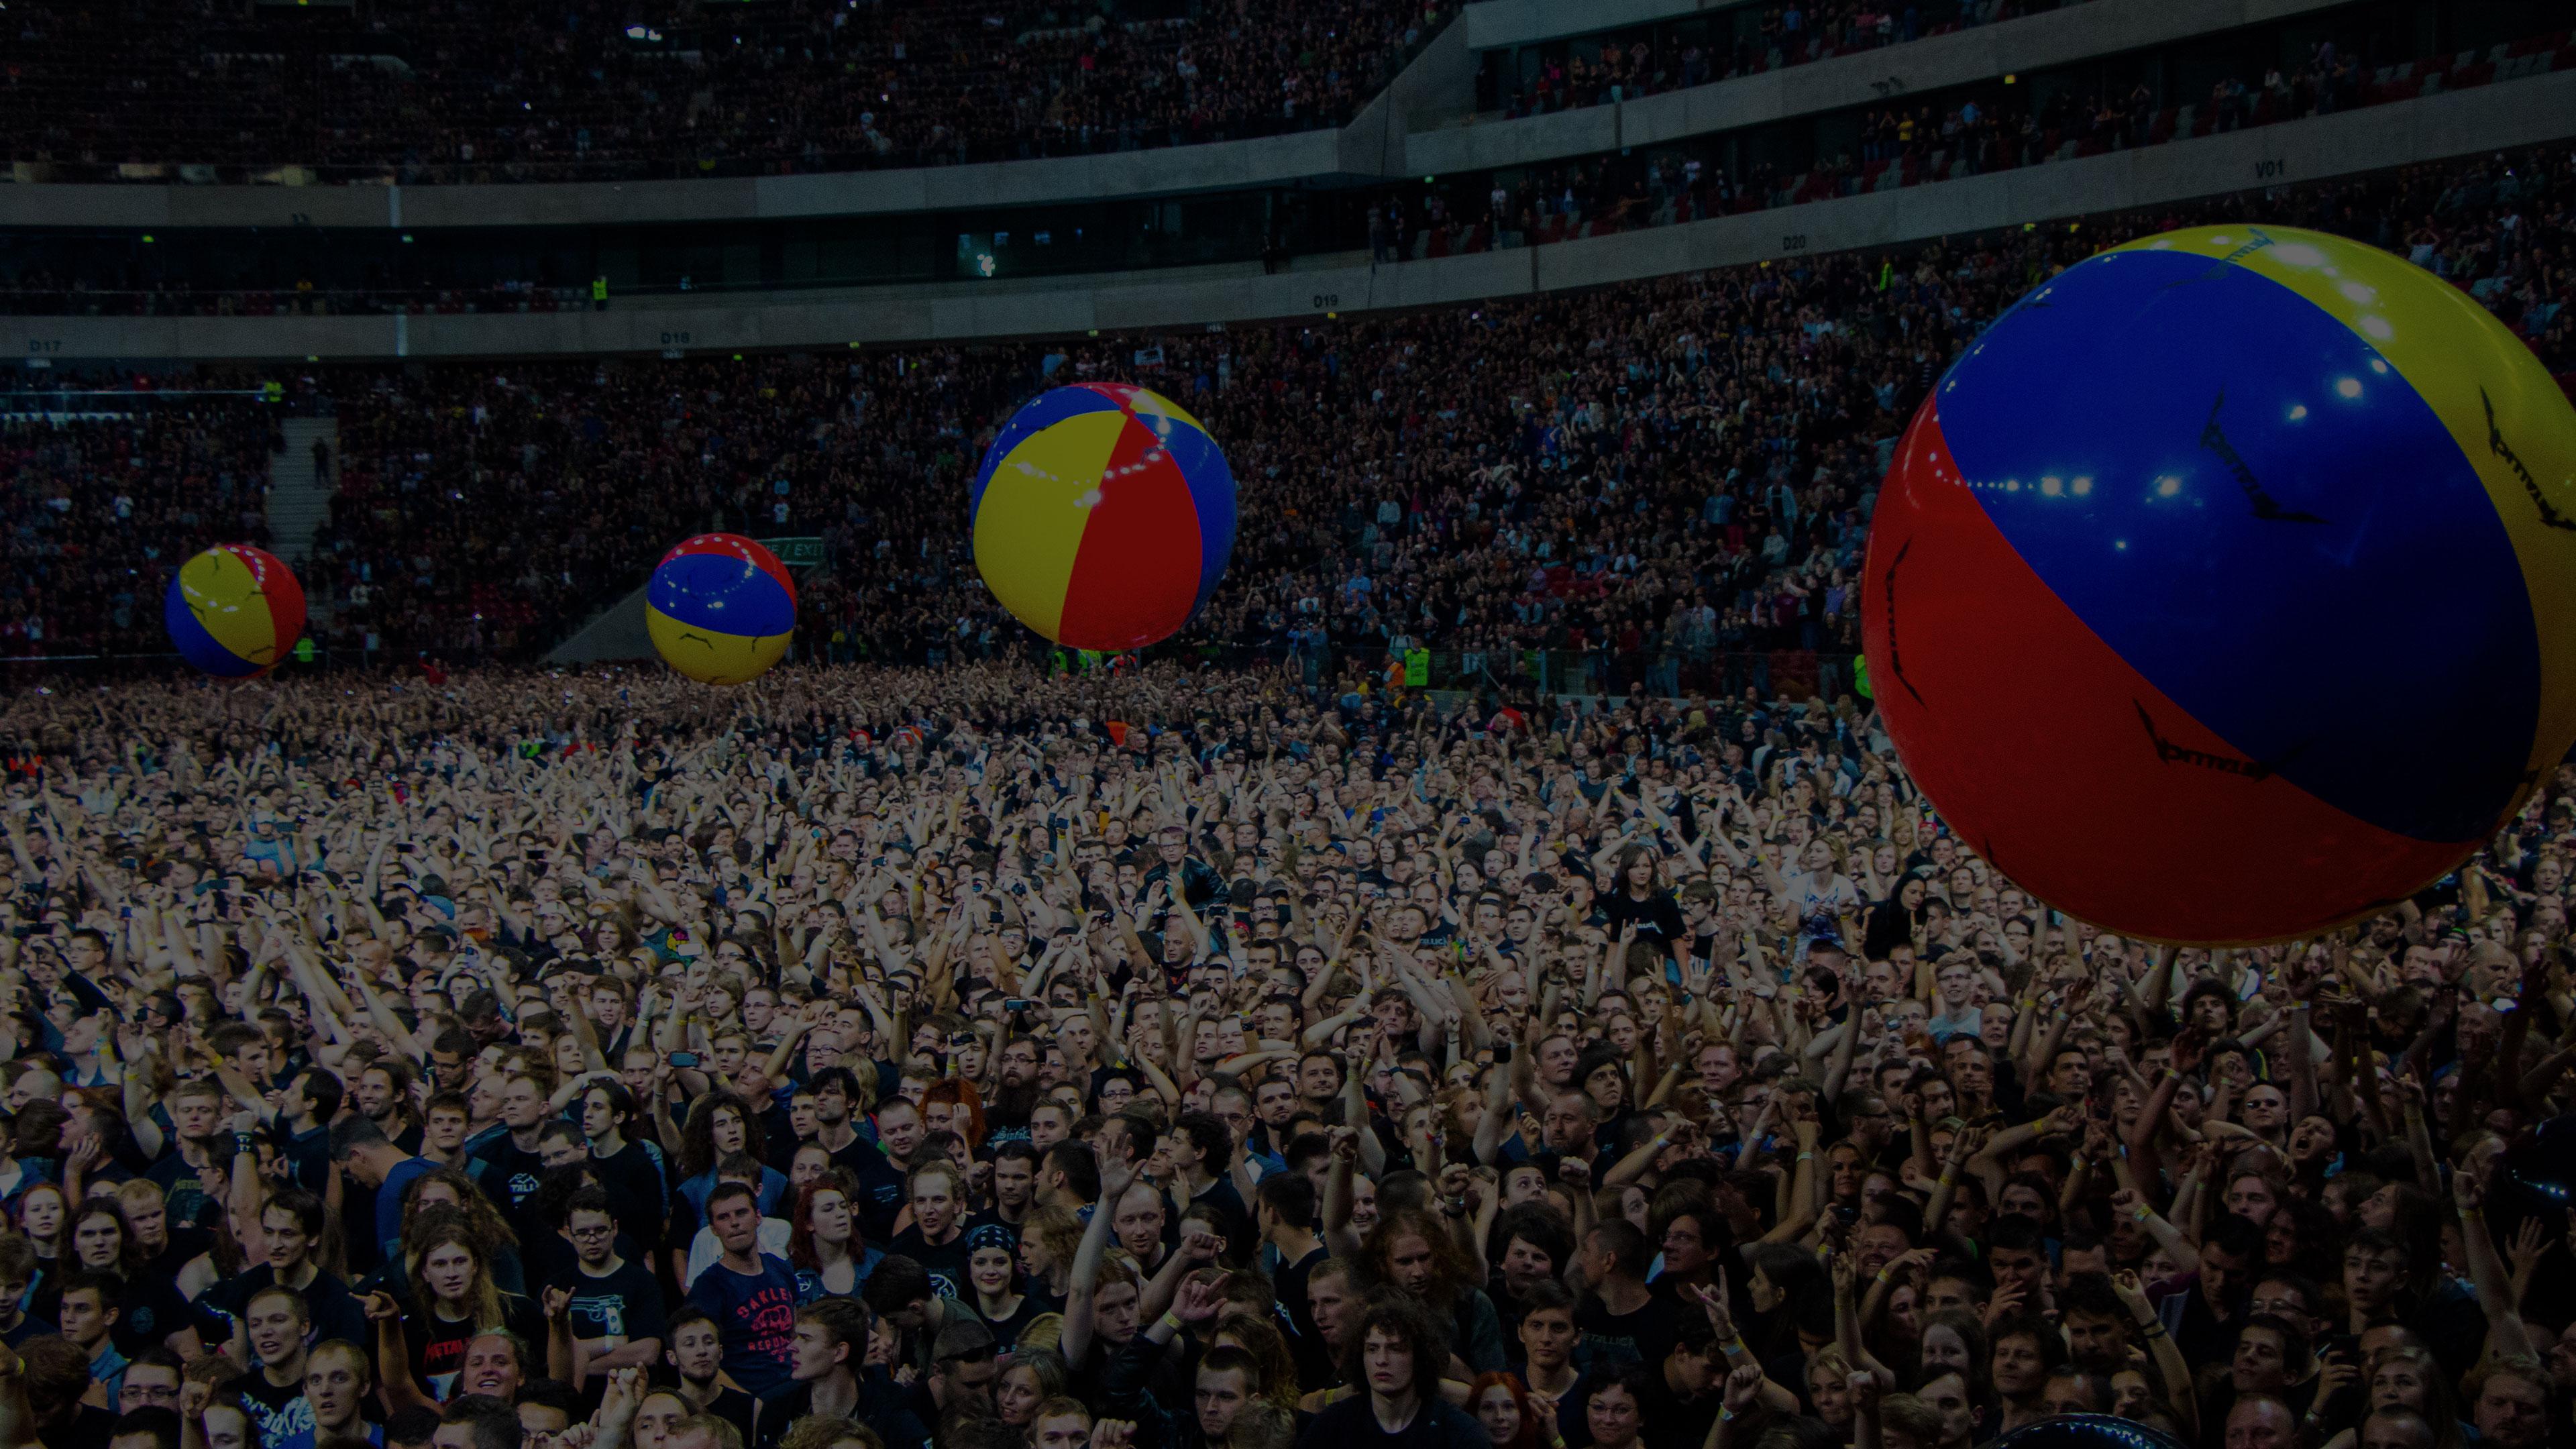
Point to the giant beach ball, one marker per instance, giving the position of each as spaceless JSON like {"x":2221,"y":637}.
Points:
{"x":2224,"y":589}
{"x":720,"y":608}
{"x":1104,"y":515}
{"x":234,"y":611}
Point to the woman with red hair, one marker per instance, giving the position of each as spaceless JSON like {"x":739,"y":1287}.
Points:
{"x":953,"y":1105}
{"x":1502,"y":1405}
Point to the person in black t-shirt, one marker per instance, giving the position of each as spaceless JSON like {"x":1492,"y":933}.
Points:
{"x":697,"y":1354}
{"x":515,"y":1167}
{"x":151,"y":1312}
{"x":1202,"y":1151}
{"x":879,"y":1166}
{"x":1285,"y":1206}
{"x":453,"y":1301}
{"x":57,"y":1374}
{"x":1620,"y":1320}
{"x":275,"y":1321}
{"x":629,"y":1169}
{"x":1401,"y":1352}
{"x":1682,"y":1394}
{"x":290,"y":1232}
{"x":1635,"y":902}
{"x":612,"y":1307}
{"x":831,"y":1354}
{"x":937,"y":1238}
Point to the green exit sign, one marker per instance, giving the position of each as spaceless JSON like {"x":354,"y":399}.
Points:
{"x":796,"y":553}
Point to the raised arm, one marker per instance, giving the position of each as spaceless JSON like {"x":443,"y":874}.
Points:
{"x":2507,"y":1339}
{"x":393,"y":1357}
{"x":2170,"y":1364}
{"x":1115,"y":1178}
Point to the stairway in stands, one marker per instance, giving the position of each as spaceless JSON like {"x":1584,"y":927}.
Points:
{"x":299,"y":504}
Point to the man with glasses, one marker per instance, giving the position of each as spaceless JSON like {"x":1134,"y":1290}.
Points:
{"x":450,"y":1056}
{"x":612,"y":1308}
{"x":151,"y":1382}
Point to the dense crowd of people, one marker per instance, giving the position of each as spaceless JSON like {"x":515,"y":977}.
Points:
{"x":1961,"y":133}
{"x":1626,"y":64}
{"x":939,"y":1044}
{"x":98,"y":507}
{"x":1661,"y":481}
{"x":880,"y":1058}
{"x":1967,"y":132}
{"x":470,"y":90}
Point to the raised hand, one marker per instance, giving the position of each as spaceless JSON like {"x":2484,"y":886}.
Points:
{"x":623,"y":1396}
{"x":2530,"y":1242}
{"x":2336,"y":1372}
{"x":1743,"y":1386}
{"x":2133,"y":1294}
{"x":1115,"y":1178}
{"x":1200,"y":1300}
{"x":2467,"y":1192}
{"x":1720,"y":1316}
{"x":2006,"y":1302}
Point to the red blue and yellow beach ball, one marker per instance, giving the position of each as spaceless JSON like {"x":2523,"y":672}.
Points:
{"x":720,"y":608}
{"x":2224,"y":590}
{"x":1104,"y":515}
{"x":234,"y":611}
